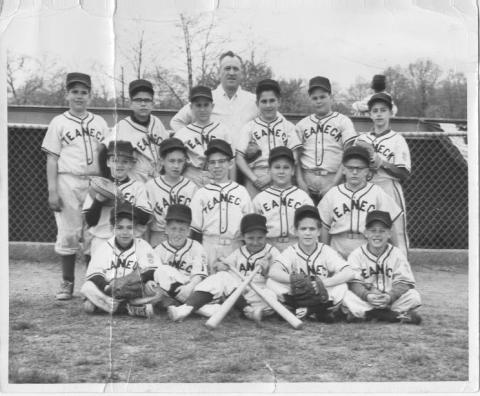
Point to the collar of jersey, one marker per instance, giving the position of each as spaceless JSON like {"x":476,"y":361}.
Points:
{"x":172,"y":248}
{"x":200,"y":127}
{"x":385,"y":132}
{"x":374,"y":258}
{"x":304,"y":253}
{"x":316,"y":118}
{"x":75,"y":118}
{"x":123,"y":249}
{"x":260,"y":254}
{"x":259,"y":120}
{"x":145,"y":124}
{"x":124,"y":181}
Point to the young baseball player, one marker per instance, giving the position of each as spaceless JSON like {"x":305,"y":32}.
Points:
{"x":279,"y":202}
{"x":344,"y":208}
{"x":197,"y":135}
{"x":245,"y":260}
{"x":170,"y":188}
{"x":392,"y":157}
{"x":143,"y":130}
{"x":185,"y":260}
{"x":379,"y":84}
{"x":267,"y":131}
{"x":96,"y":208}
{"x":311,"y":258}
{"x":384,"y":285}
{"x":121,"y":255}
{"x":72,"y":145}
{"x":323,"y":136}
{"x":219,"y":206}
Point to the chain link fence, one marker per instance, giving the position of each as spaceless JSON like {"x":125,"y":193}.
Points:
{"x":436,"y":194}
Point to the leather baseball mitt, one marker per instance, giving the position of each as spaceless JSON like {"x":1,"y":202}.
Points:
{"x":374,"y":158}
{"x":103,"y":186}
{"x":252,"y":152}
{"x":127,"y":287}
{"x":305,"y":292}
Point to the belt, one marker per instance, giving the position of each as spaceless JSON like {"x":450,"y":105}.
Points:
{"x":318,"y":172}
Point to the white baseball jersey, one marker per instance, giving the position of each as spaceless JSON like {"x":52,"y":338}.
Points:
{"x":133,"y":192}
{"x":76,"y":142}
{"x":381,"y":272}
{"x":278,"y":206}
{"x":343,"y":210}
{"x":323,"y":139}
{"x":218,"y":208}
{"x":267,"y":135}
{"x":161,"y":195}
{"x":146,"y":142}
{"x":111,"y":262}
{"x":391,"y":147}
{"x":323,"y":262}
{"x":196,"y":140}
{"x":190,"y":259}
{"x":246,"y":262}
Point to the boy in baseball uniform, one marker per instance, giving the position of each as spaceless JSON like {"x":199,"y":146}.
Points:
{"x":323,"y":136}
{"x":379,"y":85}
{"x":218,"y":207}
{"x":313,"y":259}
{"x":143,"y":130}
{"x":184,"y":260}
{"x":256,"y":252}
{"x":197,"y":135}
{"x":96,"y":208}
{"x":72,"y":144}
{"x":384,"y":285}
{"x":117,"y":257}
{"x":279,"y":202}
{"x":169,"y":188}
{"x":391,"y":157}
{"x":267,"y":131}
{"x":344,"y":208}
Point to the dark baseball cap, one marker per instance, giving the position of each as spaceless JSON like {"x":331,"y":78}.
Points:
{"x":378,"y":215}
{"x":123,"y":210}
{"x":220,"y":146}
{"x":252,"y":222}
{"x":380,"y":97}
{"x":267,"y":85}
{"x":179,"y":212}
{"x":356,"y":152}
{"x":200,"y":91}
{"x":281,"y":152}
{"x":171,"y":144}
{"x":379,"y":82}
{"x":120,"y":147}
{"x":140,"y":86}
{"x":319,"y":82}
{"x":81,"y":78}
{"x":305,"y":211}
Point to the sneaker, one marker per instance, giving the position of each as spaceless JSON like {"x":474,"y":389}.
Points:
{"x":255,"y":314}
{"x":66,"y":291}
{"x":409,"y":317}
{"x":177,"y":314}
{"x":382,"y":315}
{"x":144,"y":311}
{"x":89,"y":307}
{"x":208,"y":310}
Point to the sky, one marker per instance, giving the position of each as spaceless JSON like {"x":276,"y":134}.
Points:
{"x":340,"y":39}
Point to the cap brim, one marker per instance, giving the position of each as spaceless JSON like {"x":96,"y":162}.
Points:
{"x":70,"y":83}
{"x":367,"y":225}
{"x":326,"y":89}
{"x":275,"y":157}
{"x":178,"y":218}
{"x":218,"y":150}
{"x":171,"y":148}
{"x":370,"y":103}
{"x":200,"y":96}
{"x":255,"y":228}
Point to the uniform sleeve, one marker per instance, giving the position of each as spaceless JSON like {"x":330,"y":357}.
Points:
{"x":285,"y":260}
{"x":387,"y":204}
{"x":293,"y":141}
{"x":257,"y":204}
{"x":99,"y":262}
{"x":355,"y":263}
{"x":243,"y":138}
{"x":348,"y":132}
{"x":160,"y":131}
{"x":299,"y":132}
{"x":197,"y":211}
{"x":325,"y":210}
{"x":275,"y":253}
{"x":182,"y":118}
{"x":335,"y":263}
{"x":232,"y":259}
{"x":103,"y":128}
{"x":141,"y":199}
{"x":199,"y":266}
{"x":361,"y":106}
{"x":402,"y":272}
{"x":402,"y":154}
{"x":306,"y":199}
{"x":52,"y":143}
{"x":247,"y":205}
{"x":147,"y":260}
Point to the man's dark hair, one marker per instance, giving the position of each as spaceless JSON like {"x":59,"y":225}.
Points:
{"x":232,"y":55}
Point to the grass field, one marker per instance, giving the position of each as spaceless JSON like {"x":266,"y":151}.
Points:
{"x":55,"y":342}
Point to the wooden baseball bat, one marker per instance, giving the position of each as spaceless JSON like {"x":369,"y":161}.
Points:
{"x":218,"y":316}
{"x":276,"y":305}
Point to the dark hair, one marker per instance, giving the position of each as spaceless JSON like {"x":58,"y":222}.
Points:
{"x":296,"y":222}
{"x":232,"y":55}
{"x":122,"y":215}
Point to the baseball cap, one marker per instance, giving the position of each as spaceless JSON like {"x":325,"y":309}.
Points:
{"x":219,"y":145}
{"x":171,"y":144}
{"x":253,"y":221}
{"x":281,"y":152}
{"x":378,"y":215}
{"x":201,"y":91}
{"x":304,"y":211}
{"x":123,"y":210}
{"x":356,"y":152}
{"x":140,"y":86}
{"x":319,"y":82}
{"x":378,"y":82}
{"x":180,"y":213}
{"x":73,"y":78}
{"x":380,"y":97}
{"x":267,"y":85}
{"x":120,"y":147}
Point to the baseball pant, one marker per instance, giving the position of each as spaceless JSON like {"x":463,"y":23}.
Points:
{"x":72,"y":190}
{"x":409,"y":300}
{"x":345,"y":243}
{"x":259,"y":172}
{"x":166,"y":276}
{"x":218,"y":247}
{"x":106,"y":303}
{"x":317,"y":181}
{"x":282,"y":243}
{"x":200,"y":177}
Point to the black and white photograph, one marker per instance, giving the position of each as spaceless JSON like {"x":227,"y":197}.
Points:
{"x":239,"y":197}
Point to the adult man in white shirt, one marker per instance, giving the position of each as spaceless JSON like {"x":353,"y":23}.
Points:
{"x":233,"y":106}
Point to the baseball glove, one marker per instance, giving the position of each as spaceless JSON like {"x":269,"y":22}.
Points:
{"x":305,"y":292}
{"x":127,"y":287}
{"x":103,"y":186}
{"x":374,"y":158}
{"x":252,"y":152}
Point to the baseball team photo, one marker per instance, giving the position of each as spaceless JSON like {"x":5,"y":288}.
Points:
{"x":239,"y":196}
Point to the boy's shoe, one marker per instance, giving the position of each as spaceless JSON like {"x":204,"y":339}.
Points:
{"x":255,"y":314}
{"x":144,"y":311}
{"x":301,"y":313}
{"x":208,"y":309}
{"x":177,"y":314}
{"x":66,"y":291}
{"x":409,"y":317}
{"x":88,"y":306}
{"x":382,"y":315}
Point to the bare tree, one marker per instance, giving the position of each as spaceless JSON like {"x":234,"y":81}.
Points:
{"x":186,"y":24}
